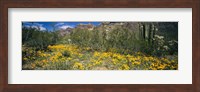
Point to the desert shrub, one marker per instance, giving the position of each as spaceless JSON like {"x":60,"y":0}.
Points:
{"x":102,"y":40}
{"x":66,"y":54}
{"x":173,"y":47}
{"x":32,"y":37}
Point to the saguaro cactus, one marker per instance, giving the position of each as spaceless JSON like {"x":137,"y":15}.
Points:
{"x":140,"y":31}
{"x":147,"y":32}
{"x":144,"y":32}
{"x":150,"y":34}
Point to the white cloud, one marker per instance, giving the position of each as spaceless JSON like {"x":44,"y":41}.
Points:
{"x":65,"y":27}
{"x":36,"y":26}
{"x":59,"y":24}
{"x":33,"y":26}
{"x":42,"y":28}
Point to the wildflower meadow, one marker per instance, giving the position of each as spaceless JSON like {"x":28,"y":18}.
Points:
{"x":99,"y":46}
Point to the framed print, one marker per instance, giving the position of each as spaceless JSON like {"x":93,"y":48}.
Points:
{"x":99,"y":46}
{"x":111,"y":46}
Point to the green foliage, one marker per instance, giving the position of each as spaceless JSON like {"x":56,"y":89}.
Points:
{"x":32,"y":37}
{"x":124,"y":40}
{"x":102,"y":40}
{"x":66,"y":54}
{"x":146,"y":46}
{"x":81,"y":37}
{"x":150,"y":38}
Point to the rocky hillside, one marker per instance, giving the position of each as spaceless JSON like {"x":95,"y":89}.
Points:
{"x":135,"y":27}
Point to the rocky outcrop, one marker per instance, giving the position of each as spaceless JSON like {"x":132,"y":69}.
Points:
{"x":65,"y":31}
{"x":85,"y":26}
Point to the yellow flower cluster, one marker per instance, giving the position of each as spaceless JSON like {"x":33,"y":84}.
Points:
{"x":71,"y":56}
{"x":78,"y":66}
{"x":124,"y":67}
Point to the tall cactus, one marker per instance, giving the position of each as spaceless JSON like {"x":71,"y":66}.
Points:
{"x":154,"y":31}
{"x":144,"y":31}
{"x":140,"y":31}
{"x":147,"y":32}
{"x":150,"y":34}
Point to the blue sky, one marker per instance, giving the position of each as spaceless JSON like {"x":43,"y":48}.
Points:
{"x":58,"y":25}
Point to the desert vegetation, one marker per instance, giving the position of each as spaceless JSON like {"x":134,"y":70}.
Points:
{"x":106,"y":46}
